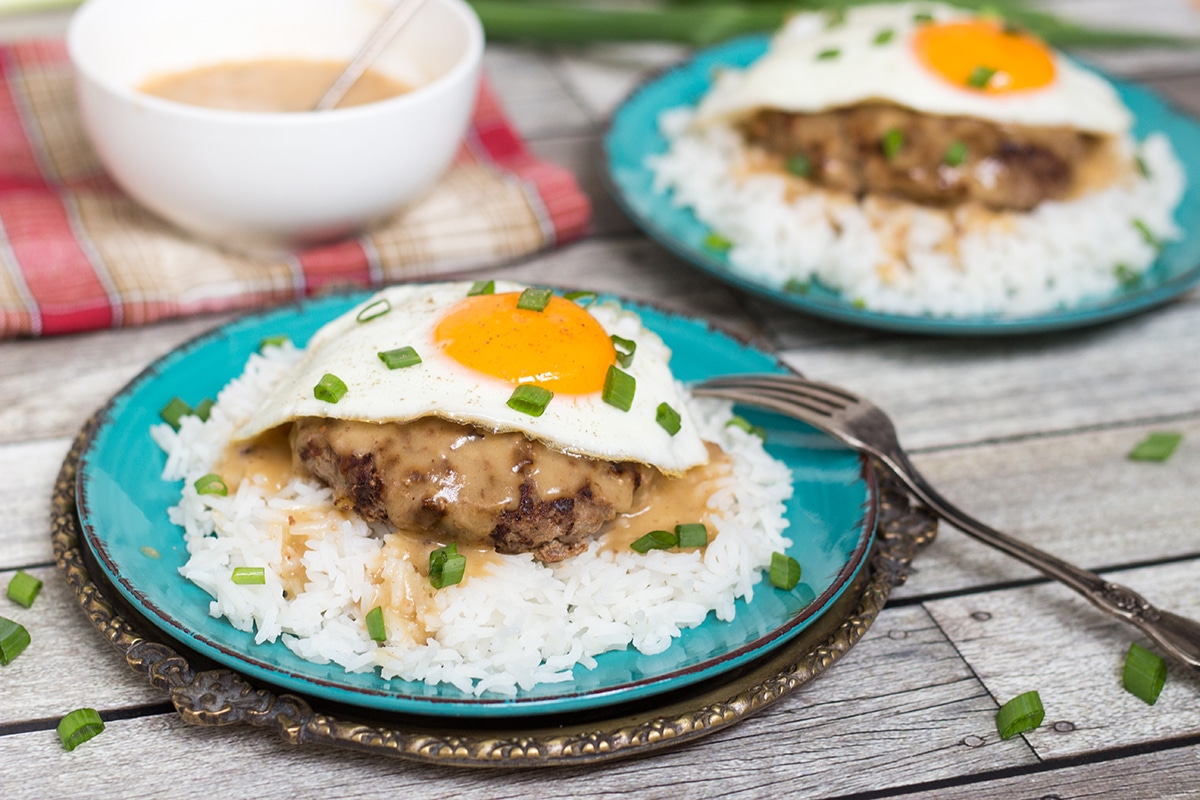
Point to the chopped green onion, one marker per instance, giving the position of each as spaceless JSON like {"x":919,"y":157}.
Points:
{"x":859,"y":303}
{"x":884,"y":36}
{"x":278,"y":340}
{"x":203,"y":409}
{"x":79,"y":726}
{"x":1157,"y":446}
{"x":1145,"y":673}
{"x":892,"y":143}
{"x":1142,"y":167}
{"x":530,"y":399}
{"x":796,"y":286}
{"x":211,"y":483}
{"x":375,"y":627}
{"x":829,"y":55}
{"x":715,"y":241}
{"x":330,"y":388}
{"x":619,"y":388}
{"x":744,"y":424}
{"x":535,"y":299}
{"x":693,"y":534}
{"x":481,"y":287}
{"x":625,"y":350}
{"x":1023,"y":713}
{"x":23,"y":588}
{"x":1148,"y":235}
{"x":654,"y":540}
{"x":149,"y":552}
{"x":13,"y":640}
{"x":956,"y":154}
{"x":174,"y":411}
{"x":921,"y":17}
{"x":446,"y":566}
{"x":374,"y":310}
{"x":785,"y":571}
{"x":582,"y":298}
{"x":400,"y":357}
{"x":799,"y":165}
{"x":980,"y":77}
{"x":249,"y":576}
{"x":668,"y":418}
{"x":1126,"y":276}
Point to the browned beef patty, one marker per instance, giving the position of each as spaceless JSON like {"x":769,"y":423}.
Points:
{"x":458,"y":482}
{"x":1003,"y":166}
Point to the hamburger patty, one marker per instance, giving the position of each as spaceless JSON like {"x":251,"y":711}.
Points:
{"x":458,"y":482}
{"x":1004,"y":166}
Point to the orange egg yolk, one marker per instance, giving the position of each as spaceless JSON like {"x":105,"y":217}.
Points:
{"x":981,"y":55}
{"x":561,"y":348}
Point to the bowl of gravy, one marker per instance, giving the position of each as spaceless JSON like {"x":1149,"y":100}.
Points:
{"x":201,"y":111}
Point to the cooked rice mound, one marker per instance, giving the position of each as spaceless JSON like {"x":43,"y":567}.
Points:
{"x":518,"y":624}
{"x":897,"y":256}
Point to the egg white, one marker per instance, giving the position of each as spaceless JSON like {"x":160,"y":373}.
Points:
{"x":439,"y":386}
{"x":791,"y":77}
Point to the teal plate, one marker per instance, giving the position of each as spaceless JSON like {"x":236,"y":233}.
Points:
{"x":123,"y":502}
{"x":633,"y":135}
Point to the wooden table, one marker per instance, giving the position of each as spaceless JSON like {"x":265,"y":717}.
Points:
{"x":1030,"y":433}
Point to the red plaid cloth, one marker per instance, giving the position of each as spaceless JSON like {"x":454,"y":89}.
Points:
{"x":77,"y":254}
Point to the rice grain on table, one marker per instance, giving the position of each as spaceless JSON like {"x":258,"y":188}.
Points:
{"x":903,"y":258}
{"x":515,"y":625}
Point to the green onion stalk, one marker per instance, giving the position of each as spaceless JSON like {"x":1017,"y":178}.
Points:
{"x":704,"y":22}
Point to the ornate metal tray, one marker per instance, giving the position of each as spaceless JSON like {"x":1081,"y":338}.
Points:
{"x":208,"y":695}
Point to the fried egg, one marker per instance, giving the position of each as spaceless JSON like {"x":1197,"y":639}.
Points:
{"x":474,"y":351}
{"x":930,"y":58}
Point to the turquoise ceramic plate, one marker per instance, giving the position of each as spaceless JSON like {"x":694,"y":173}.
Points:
{"x":123,"y":507}
{"x":634,"y":135}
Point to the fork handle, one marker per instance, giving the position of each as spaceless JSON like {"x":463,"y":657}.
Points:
{"x":1178,"y":635}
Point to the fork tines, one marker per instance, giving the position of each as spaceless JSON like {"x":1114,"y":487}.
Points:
{"x":819,"y":398}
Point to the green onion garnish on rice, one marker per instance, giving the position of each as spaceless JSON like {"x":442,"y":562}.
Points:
{"x":1020,"y":714}
{"x":744,"y":424}
{"x":829,"y":55}
{"x":174,"y":411}
{"x":692,"y":534}
{"x":249,"y":576}
{"x":534,"y":299}
{"x":374,"y":310}
{"x":799,"y":165}
{"x":625,"y":349}
{"x":203,"y":409}
{"x":796,"y":286}
{"x":1127,"y":277}
{"x":13,"y":640}
{"x":375,"y":627}
{"x":980,"y":77}
{"x":272,"y":341}
{"x":884,"y":36}
{"x":446,"y":566}
{"x":892,"y":143}
{"x":330,"y":388}
{"x":785,"y":571}
{"x":1145,"y":673}
{"x":23,"y":588}
{"x":1157,"y":446}
{"x":1142,"y":167}
{"x":79,"y":726}
{"x":715,"y":241}
{"x":481,"y":287}
{"x":212,"y":483}
{"x":583,"y":298}
{"x":668,"y":418}
{"x":530,"y":399}
{"x":1148,"y":235}
{"x":654,"y":540}
{"x":619,"y":388}
{"x":400,"y":358}
{"x":955,"y":155}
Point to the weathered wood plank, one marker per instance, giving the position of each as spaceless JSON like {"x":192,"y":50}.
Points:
{"x":1047,"y":638}
{"x":534,"y":99}
{"x":28,"y":471}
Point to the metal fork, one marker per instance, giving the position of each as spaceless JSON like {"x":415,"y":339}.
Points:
{"x":863,"y":426}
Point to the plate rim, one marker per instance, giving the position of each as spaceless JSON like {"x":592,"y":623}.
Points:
{"x":476,"y":707}
{"x":837,"y":310}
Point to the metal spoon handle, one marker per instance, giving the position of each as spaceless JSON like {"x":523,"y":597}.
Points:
{"x":396,"y":19}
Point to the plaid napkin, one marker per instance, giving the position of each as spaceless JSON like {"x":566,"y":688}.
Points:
{"x":77,"y":254}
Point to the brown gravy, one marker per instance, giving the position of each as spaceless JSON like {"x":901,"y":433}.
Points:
{"x":271,"y":85}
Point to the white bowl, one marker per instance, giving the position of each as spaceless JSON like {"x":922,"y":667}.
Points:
{"x":272,"y":180}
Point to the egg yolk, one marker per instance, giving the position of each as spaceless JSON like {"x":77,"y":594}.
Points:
{"x":561,"y":348}
{"x":984,"y":56}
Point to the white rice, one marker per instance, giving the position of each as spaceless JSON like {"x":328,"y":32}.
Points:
{"x":518,"y":625}
{"x":902,"y":258}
